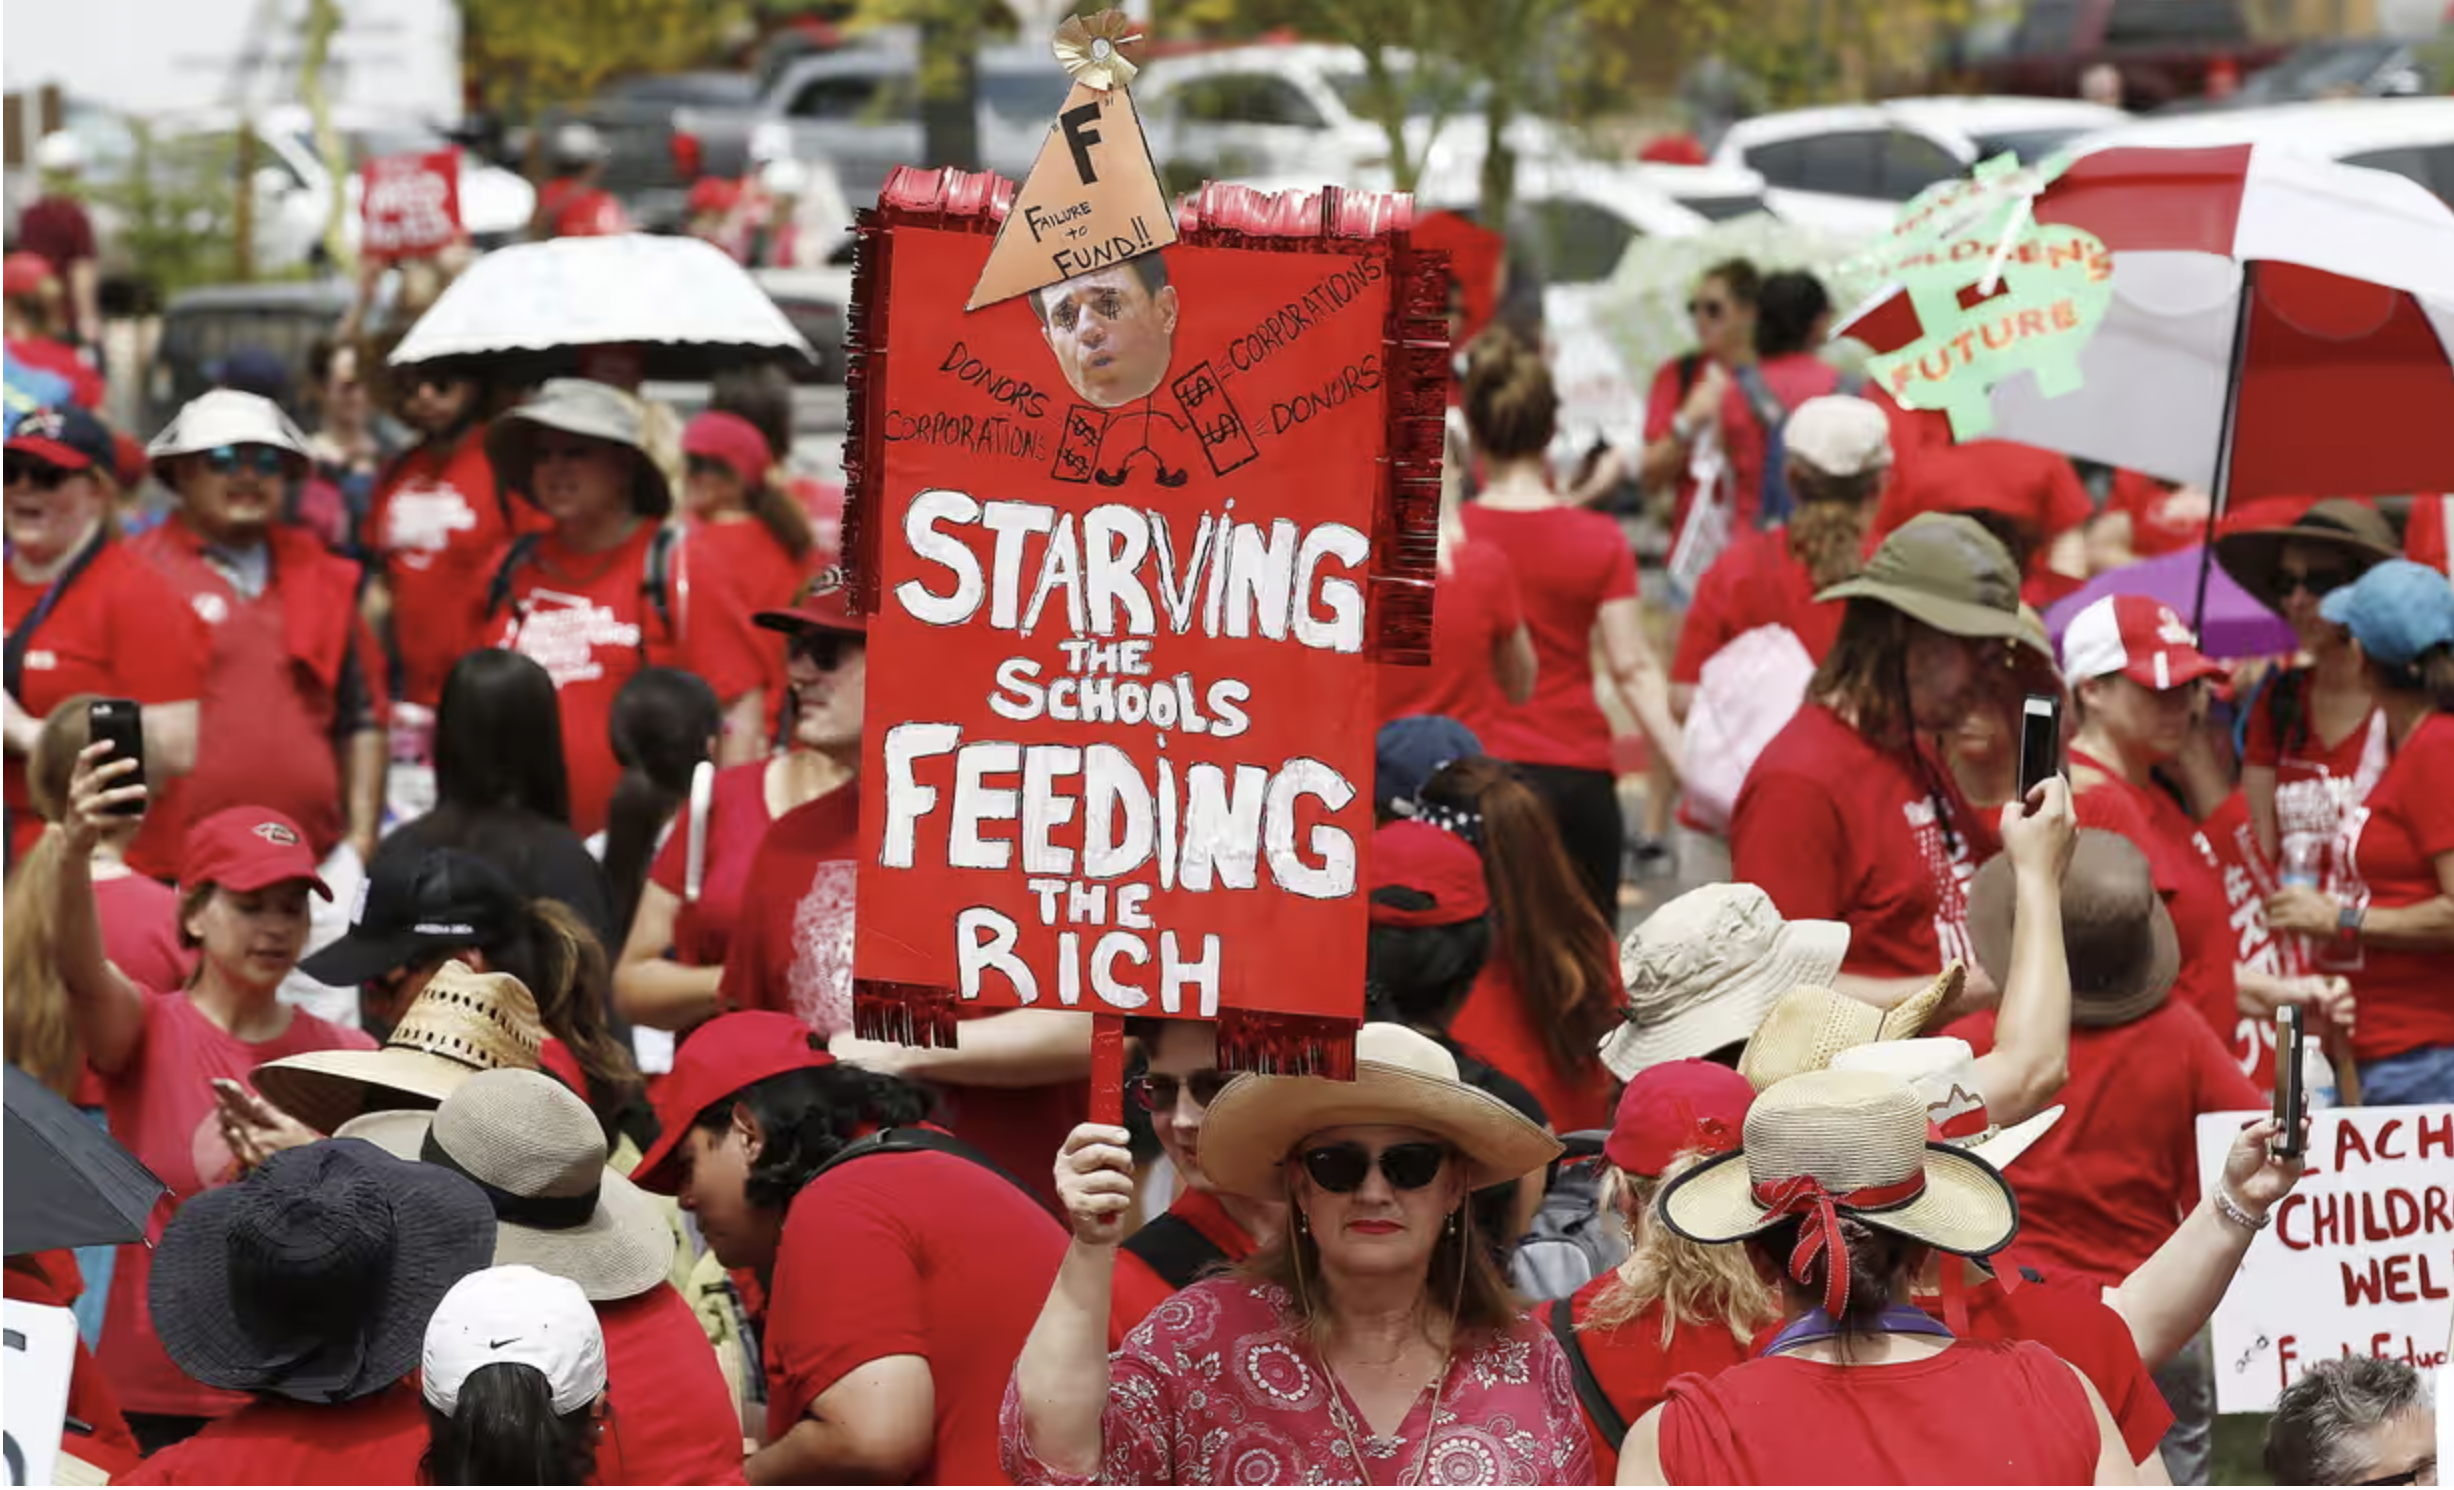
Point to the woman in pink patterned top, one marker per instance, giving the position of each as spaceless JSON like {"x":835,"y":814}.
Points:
{"x":1374,"y":1343}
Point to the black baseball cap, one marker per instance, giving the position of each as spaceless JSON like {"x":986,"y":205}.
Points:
{"x":414,"y":905}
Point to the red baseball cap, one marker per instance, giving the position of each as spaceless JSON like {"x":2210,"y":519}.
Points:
{"x":2142,"y":639}
{"x":1431,"y":861}
{"x":249,"y":848}
{"x":731,"y":439}
{"x":721,"y":1057}
{"x":1675,"y":1108}
{"x":25,"y":274}
{"x":824,"y":604}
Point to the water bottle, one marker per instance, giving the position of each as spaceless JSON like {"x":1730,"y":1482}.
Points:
{"x":2317,"y":1077}
{"x":2304,"y":856}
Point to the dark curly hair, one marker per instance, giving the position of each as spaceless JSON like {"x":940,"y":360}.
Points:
{"x":808,"y":1116}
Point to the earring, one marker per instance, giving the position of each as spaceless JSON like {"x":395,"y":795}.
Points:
{"x":1302,"y":1223}
{"x":1453,"y":1221}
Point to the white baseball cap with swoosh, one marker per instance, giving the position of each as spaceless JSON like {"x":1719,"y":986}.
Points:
{"x":516,"y":1315}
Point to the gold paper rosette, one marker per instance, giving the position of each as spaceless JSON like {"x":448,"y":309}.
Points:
{"x":1098,"y":52}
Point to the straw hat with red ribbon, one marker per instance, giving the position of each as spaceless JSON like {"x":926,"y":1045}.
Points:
{"x":1830,"y":1144}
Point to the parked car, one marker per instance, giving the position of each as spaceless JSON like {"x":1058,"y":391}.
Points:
{"x":1303,"y":111}
{"x":857,"y":109}
{"x":2164,"y":49}
{"x":1850,"y":167}
{"x":1715,"y":193}
{"x":2345,"y":67}
{"x":818,"y":303}
{"x":2411,"y":137}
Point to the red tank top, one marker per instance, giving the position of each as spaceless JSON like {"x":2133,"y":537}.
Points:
{"x":1980,"y":1413}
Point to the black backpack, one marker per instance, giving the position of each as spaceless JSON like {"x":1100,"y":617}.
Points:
{"x":1176,"y":1250}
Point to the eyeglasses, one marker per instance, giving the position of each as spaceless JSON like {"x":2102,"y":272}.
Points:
{"x":225,"y":460}
{"x":42,"y":475}
{"x":1341,"y":1168}
{"x":1159,"y":1093}
{"x":707,"y":465}
{"x":2318,"y":582}
{"x":823,"y":650}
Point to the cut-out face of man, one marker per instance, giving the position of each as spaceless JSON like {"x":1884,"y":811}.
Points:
{"x":1112,"y":330}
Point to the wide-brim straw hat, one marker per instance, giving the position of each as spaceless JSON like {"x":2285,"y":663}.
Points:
{"x":578,"y":406}
{"x":1810,"y":1024}
{"x":1704,"y":970}
{"x":1944,"y":1072}
{"x":538,"y":1153}
{"x":1402,"y":1080}
{"x":1852,"y":1132}
{"x":461,"y":1023}
{"x":2355,"y":530}
{"x":2117,"y":936}
{"x":226,"y":416}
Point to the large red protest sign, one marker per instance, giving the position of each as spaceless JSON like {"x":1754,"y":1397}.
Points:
{"x":409,"y":205}
{"x":1132,"y":546}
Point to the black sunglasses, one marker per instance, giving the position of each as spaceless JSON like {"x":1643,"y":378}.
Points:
{"x":2318,"y":582}
{"x":707,"y":465}
{"x":1341,"y":1168}
{"x":823,"y":650}
{"x":1708,"y":310}
{"x":1159,"y":1093}
{"x":42,"y":475}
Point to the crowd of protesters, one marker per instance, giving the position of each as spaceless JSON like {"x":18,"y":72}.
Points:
{"x":470,"y":954}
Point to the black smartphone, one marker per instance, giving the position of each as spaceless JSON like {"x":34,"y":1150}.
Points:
{"x":121,"y":723}
{"x":2040,"y":741}
{"x":2290,"y":1100}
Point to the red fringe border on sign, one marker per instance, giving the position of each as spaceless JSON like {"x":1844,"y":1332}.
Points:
{"x":1286,"y":1044}
{"x":1406,"y":505}
{"x":916,"y":1014}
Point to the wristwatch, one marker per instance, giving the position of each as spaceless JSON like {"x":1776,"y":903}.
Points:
{"x":2348,"y":916}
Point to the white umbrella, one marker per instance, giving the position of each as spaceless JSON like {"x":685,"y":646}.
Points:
{"x":688,"y":307}
{"x":1642,"y":309}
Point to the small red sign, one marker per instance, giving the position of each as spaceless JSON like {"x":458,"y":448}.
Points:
{"x":411,"y":204}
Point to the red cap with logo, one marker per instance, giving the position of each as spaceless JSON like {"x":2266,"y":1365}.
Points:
{"x":1675,"y":1108}
{"x":1431,"y":862}
{"x":723,"y":1056}
{"x":243,"y":849}
{"x":824,"y":604}
{"x":2144,"y":640}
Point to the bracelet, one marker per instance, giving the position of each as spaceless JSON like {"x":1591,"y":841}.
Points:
{"x":2231,"y":1210}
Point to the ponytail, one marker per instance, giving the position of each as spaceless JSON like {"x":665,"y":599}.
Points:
{"x":662,"y":722}
{"x":772,"y":504}
{"x":504,"y":1431}
{"x":2433,"y":674}
{"x":565,"y":968}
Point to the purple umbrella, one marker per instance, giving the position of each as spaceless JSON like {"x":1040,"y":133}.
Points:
{"x":2236,"y":625}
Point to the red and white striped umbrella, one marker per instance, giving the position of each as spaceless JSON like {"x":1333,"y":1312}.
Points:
{"x":2299,"y":312}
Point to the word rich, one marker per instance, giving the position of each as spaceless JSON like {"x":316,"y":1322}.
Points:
{"x":1118,"y":568}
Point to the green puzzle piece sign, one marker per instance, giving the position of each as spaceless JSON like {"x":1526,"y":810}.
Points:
{"x":1996,"y":295}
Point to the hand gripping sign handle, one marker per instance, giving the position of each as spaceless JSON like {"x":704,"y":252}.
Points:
{"x":1108,"y":1069}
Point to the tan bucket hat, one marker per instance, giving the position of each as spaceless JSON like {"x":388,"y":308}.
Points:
{"x":1944,"y":1072}
{"x":536,"y":1150}
{"x":1811,"y":1024}
{"x":1947,"y":571}
{"x":2119,"y":939}
{"x":461,"y":1023}
{"x":1402,"y":1079}
{"x":1704,"y":970}
{"x":578,"y":406}
{"x":1856,"y":1139}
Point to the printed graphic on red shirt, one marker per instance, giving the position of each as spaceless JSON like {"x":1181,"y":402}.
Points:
{"x":1951,"y":868}
{"x":561,"y":633}
{"x":820,"y":978}
{"x":420,"y":519}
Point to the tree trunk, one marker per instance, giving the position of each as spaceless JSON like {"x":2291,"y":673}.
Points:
{"x":949,"y":92}
{"x":323,"y":19}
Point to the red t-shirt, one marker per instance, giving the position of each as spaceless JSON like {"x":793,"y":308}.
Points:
{"x":2397,"y":838}
{"x":674,"y":1422}
{"x":2109,"y":1183}
{"x":440,"y":527}
{"x":736,"y":823}
{"x":588,"y":621}
{"x":51,"y":1279}
{"x":2163,"y":519}
{"x":117,"y":631}
{"x":2069,"y":1318}
{"x":2036,"y":488}
{"x":886,"y":1257}
{"x":2193,"y":884}
{"x":1635,"y":1369}
{"x":376,"y":1440}
{"x":59,"y":229}
{"x":161,"y":1110}
{"x":2308,"y":757}
{"x":1139,"y":1288}
{"x":284,"y":675}
{"x":1756,"y":582}
{"x":1662,"y":401}
{"x":740,"y":570}
{"x":2249,"y":882}
{"x":1793,"y":378}
{"x":1475,"y":611}
{"x":790,"y":947}
{"x":1569,"y":563}
{"x":1787,"y":1421}
{"x":1835,"y":829}
{"x":140,"y":934}
{"x":85,"y":388}
{"x":1496,"y":1025}
{"x":573,"y":209}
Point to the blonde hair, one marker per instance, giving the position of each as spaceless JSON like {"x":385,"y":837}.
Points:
{"x":1694,"y":1284}
{"x":41,"y":1036}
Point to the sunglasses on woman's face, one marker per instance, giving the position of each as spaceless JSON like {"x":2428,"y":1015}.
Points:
{"x":2318,"y":582}
{"x":1707,"y":310}
{"x":42,"y":475}
{"x":1159,"y":1093}
{"x":264,"y":460}
{"x":823,"y":650}
{"x":1341,"y":1168}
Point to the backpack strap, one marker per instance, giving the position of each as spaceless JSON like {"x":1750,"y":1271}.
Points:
{"x":920,"y":1141}
{"x":21,"y":637}
{"x":1175,"y":1249}
{"x":498,"y":590}
{"x":656,"y":584}
{"x":1691,"y":367}
{"x":1598,"y":1406}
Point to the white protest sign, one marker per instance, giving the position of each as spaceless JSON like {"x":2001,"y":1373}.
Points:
{"x":42,"y":1350}
{"x":2359,"y":1260}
